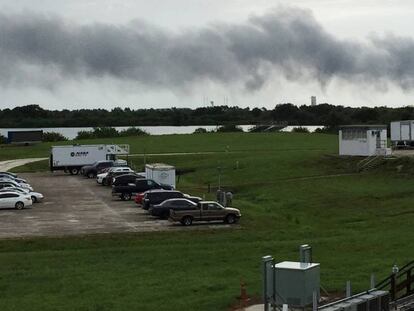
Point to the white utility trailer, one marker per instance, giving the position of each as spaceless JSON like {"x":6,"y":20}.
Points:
{"x":71,"y":158}
{"x":161,"y":173}
{"x":402,"y":133}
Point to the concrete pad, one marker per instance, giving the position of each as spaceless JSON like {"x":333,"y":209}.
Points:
{"x":75,"y":205}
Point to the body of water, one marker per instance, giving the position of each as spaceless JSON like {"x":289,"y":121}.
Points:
{"x":72,"y":132}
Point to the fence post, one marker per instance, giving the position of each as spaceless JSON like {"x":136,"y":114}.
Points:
{"x":348,"y":289}
{"x":372,"y":280}
{"x":266,"y":260}
{"x":393,"y":287}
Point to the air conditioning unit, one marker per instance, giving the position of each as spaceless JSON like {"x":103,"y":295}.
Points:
{"x":296,"y":282}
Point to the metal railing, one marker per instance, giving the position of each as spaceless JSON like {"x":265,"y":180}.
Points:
{"x":400,"y":284}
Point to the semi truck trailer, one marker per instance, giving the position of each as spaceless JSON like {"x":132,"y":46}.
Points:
{"x":71,"y":158}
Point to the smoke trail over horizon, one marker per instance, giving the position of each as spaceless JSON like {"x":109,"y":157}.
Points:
{"x":40,"y":50}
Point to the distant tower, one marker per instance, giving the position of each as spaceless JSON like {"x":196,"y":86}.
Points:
{"x":313,"y":100}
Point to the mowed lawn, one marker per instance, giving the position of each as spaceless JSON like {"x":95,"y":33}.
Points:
{"x":291,"y":190}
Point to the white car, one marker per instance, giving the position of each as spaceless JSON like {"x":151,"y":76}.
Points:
{"x":100,"y":177}
{"x":4,"y":182}
{"x":36,"y":196}
{"x":15,"y":200}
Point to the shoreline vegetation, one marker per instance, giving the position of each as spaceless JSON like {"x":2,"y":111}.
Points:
{"x":33,"y":116}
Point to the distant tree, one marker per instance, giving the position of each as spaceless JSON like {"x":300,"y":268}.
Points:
{"x":229,"y":128}
{"x":300,"y":129}
{"x":53,"y":136}
{"x":132,"y":131}
{"x":200,"y":130}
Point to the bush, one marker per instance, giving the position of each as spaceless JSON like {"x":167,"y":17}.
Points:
{"x":327,"y":130}
{"x":105,"y":132}
{"x":229,"y":128}
{"x":200,"y":130}
{"x":300,"y":130}
{"x":85,"y":135}
{"x":132,"y":131}
{"x":53,"y":136}
{"x":3,"y":140}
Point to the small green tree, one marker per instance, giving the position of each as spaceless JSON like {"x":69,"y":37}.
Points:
{"x":53,"y":136}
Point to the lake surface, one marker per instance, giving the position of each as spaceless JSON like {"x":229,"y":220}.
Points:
{"x":72,"y":132}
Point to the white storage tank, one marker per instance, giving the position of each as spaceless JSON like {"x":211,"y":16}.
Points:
{"x":161,"y":173}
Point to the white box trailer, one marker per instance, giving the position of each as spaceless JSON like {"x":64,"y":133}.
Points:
{"x":72,"y":157}
{"x":161,"y":173}
{"x":402,"y":132}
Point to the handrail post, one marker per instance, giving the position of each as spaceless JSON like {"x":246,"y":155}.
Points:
{"x":393,"y":287}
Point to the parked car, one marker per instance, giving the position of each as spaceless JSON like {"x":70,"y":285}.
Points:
{"x":163,"y":209}
{"x":11,"y":183}
{"x":15,"y":200}
{"x":15,"y":178}
{"x":125,"y":179}
{"x":125,"y":192}
{"x":9,"y":173}
{"x":91,"y":171}
{"x":158,"y":196}
{"x":36,"y":196}
{"x":118,"y":171}
{"x":206,"y":211}
{"x":139,"y":197}
{"x":104,"y":173}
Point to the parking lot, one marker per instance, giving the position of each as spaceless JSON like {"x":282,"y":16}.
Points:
{"x":74,"y":205}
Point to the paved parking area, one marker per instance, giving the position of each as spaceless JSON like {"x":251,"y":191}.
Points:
{"x":74,"y":205}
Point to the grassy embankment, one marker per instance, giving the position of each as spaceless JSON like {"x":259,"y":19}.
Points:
{"x":357,"y":224}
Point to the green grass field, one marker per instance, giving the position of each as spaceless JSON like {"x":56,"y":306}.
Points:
{"x":291,"y":190}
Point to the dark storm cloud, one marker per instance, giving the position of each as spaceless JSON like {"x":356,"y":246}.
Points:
{"x":288,"y":42}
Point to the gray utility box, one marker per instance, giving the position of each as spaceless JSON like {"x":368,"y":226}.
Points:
{"x":296,"y":282}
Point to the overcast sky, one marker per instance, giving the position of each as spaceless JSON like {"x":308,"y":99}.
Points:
{"x":185,"y":53}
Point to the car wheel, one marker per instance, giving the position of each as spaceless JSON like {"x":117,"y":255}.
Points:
{"x":19,"y":205}
{"x":187,"y":221}
{"x":165,"y":214}
{"x":91,"y":175}
{"x":126,"y":196}
{"x":74,"y":171}
{"x":230,"y":219}
{"x":34,"y":200}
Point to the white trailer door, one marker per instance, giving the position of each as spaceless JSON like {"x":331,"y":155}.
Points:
{"x":405,"y":132}
{"x":395,"y":131}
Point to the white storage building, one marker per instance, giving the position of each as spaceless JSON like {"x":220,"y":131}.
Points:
{"x":363,"y":140}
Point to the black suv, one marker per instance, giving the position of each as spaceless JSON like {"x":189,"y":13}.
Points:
{"x":91,"y":171}
{"x":125,"y":179}
{"x":125,"y":192}
{"x":157,"y":197}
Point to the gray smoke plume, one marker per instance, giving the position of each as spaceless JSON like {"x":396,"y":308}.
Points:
{"x":286,"y":41}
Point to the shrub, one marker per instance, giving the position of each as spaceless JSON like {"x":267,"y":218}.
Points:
{"x":85,"y":135}
{"x":229,"y":128}
{"x":300,"y":130}
{"x":53,"y":136}
{"x":200,"y":130}
{"x":132,"y":131}
{"x":105,"y":132}
{"x":327,"y":130}
{"x":3,"y":140}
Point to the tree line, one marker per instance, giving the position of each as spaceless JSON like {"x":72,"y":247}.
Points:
{"x":323,"y":114}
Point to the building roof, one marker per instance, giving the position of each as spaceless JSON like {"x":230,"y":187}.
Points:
{"x":364,"y":126}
